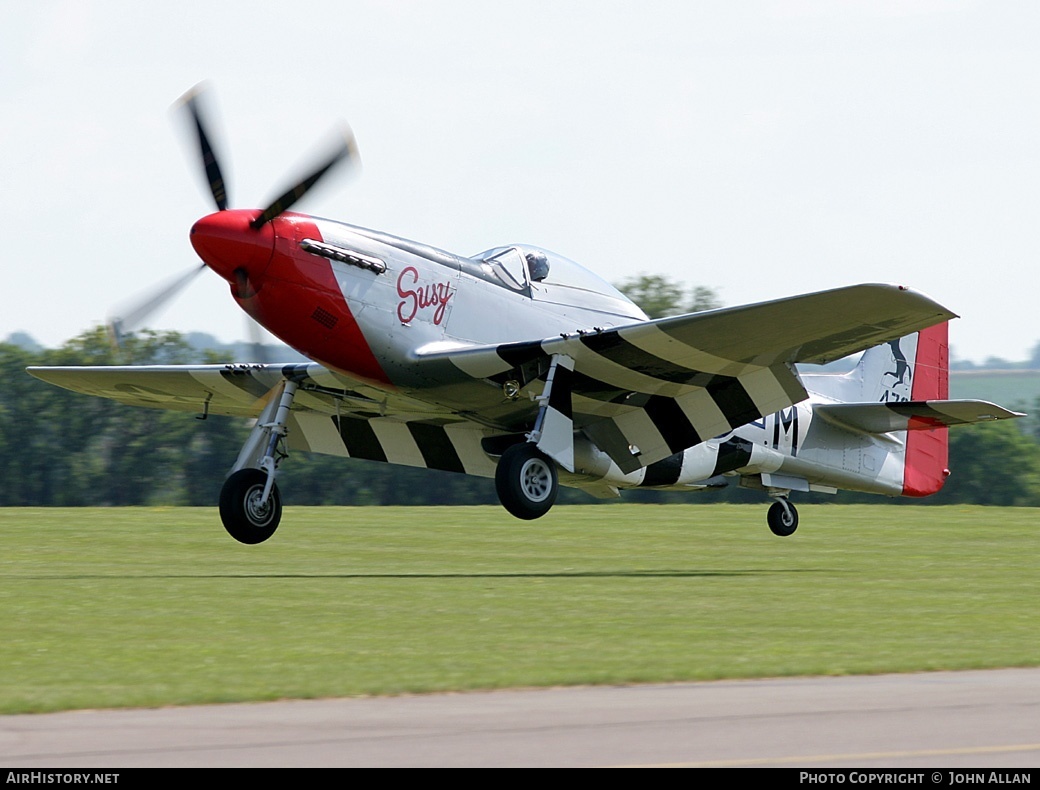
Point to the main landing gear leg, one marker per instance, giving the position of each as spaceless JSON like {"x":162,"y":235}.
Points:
{"x":250,"y":505}
{"x":526,"y":478}
{"x":782,"y":516}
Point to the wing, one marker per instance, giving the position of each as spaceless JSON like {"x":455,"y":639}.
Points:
{"x":331,"y":414}
{"x":239,"y":390}
{"x":646,"y":391}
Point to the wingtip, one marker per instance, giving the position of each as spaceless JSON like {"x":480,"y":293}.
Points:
{"x":946,"y":313}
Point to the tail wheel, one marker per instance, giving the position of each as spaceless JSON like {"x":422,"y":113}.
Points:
{"x":782,"y":518}
{"x":245,"y":517}
{"x":526,"y":481}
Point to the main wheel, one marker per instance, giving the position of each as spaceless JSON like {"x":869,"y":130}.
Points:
{"x":245,"y":519}
{"x":526,"y":481}
{"x":782,"y":518}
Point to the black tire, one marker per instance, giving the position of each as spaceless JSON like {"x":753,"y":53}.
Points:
{"x":243,"y":519}
{"x":526,"y":481}
{"x":782,"y":518}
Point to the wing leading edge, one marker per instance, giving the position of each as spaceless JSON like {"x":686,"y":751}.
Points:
{"x":237,"y":390}
{"x":234,"y":390}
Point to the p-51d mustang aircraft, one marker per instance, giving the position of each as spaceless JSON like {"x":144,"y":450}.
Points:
{"x":520,"y":365}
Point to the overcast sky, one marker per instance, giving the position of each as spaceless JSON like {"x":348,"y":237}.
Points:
{"x":762,"y":149}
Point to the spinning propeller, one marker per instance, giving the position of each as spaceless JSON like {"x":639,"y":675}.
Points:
{"x":344,"y":152}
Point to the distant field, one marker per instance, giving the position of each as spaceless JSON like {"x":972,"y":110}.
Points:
{"x":151,"y":607}
{"x":1010,"y":388}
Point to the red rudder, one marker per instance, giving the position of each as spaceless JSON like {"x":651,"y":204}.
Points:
{"x":927,"y":451}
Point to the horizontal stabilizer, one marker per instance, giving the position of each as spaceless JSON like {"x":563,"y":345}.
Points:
{"x":911,"y":415}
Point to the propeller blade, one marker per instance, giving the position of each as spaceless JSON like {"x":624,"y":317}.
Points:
{"x":256,"y":342}
{"x":346,"y":150}
{"x":136,"y":315}
{"x":254,"y":332}
{"x":209,"y":157}
{"x":243,"y":287}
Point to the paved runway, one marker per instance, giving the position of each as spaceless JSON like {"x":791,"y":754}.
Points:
{"x":984,"y":719}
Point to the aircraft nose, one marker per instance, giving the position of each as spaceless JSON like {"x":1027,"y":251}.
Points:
{"x":228,"y":244}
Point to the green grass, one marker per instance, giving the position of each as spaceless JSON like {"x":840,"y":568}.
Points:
{"x":149,"y":607}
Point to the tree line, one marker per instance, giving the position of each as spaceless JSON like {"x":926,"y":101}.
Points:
{"x":62,"y":448}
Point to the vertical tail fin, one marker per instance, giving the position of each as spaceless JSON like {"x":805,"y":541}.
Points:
{"x":926,"y":465}
{"x":913,"y":368}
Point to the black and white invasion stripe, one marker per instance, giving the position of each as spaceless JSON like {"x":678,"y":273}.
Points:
{"x":636,"y":405}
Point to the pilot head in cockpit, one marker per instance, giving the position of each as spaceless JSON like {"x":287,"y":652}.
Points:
{"x":538,"y":266}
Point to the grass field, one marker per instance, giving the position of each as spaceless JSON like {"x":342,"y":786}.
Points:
{"x":1014,"y":389}
{"x":150,"y":607}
